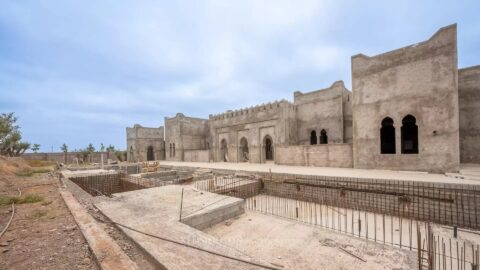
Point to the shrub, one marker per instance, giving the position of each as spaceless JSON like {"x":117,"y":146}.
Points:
{"x":24,"y":173}
{"x":29,"y":198}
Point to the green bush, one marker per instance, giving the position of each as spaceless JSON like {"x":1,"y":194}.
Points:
{"x":31,"y":172}
{"x":29,"y":198}
{"x":24,"y":173}
{"x":41,"y":170}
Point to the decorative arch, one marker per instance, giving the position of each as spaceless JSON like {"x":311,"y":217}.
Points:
{"x":323,"y":137}
{"x":387,"y":137}
{"x":243,"y":150}
{"x":224,"y":150}
{"x":150,"y":153}
{"x":313,"y":137}
{"x":409,"y":135}
{"x":268,"y":147}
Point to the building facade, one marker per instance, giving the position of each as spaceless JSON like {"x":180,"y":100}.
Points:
{"x":409,"y":109}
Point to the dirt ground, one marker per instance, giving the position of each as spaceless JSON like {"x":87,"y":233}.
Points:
{"x":42,"y":235}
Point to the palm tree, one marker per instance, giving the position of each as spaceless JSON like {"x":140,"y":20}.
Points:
{"x":64,"y":149}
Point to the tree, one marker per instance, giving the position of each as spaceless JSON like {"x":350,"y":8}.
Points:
{"x":90,"y":149}
{"x":110,"y":149}
{"x":35,"y":147}
{"x":10,"y":136}
{"x":102,"y":147}
{"x":64,"y":149}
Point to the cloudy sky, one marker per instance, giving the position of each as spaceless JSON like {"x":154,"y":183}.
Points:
{"x":79,"y":72}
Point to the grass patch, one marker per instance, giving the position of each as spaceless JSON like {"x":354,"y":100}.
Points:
{"x":24,"y":173}
{"x":29,"y":198}
{"x":40,"y":163}
{"x":42,"y":170}
{"x":31,"y":172}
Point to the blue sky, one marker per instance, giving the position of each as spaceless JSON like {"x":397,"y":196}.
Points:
{"x":79,"y":72}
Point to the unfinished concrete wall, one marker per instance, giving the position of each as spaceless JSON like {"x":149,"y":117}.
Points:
{"x":469,"y":103}
{"x":419,"y":80}
{"x":140,"y":139}
{"x":327,"y":155}
{"x":274,"y":120}
{"x":449,"y":204}
{"x":184,"y":133}
{"x":347,"y":117}
{"x":196,"y":155}
{"x":320,"y":110}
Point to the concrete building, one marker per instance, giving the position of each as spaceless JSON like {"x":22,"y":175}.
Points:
{"x":409,"y":109}
{"x":145,"y":144}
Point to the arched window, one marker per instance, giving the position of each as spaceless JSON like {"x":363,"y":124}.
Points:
{"x":243,"y":150}
{"x":387,"y":136}
{"x":150,"y":154}
{"x":409,"y":135}
{"x":323,"y":137}
{"x":173,"y":147}
{"x":313,"y":137}
{"x":170,"y":153}
{"x":131,"y":154}
{"x":223,"y":150}
{"x":268,"y":143}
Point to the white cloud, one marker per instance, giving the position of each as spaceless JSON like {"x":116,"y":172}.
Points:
{"x":122,"y":62}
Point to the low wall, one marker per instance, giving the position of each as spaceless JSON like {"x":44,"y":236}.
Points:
{"x":60,"y":157}
{"x":326,"y":155}
{"x":105,"y":184}
{"x":195,"y":155}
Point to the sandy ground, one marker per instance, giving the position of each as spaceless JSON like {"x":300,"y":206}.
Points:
{"x":294,"y":245}
{"x":324,"y":171}
{"x":42,"y":235}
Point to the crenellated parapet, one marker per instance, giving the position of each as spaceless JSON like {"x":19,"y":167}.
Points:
{"x":268,"y":108}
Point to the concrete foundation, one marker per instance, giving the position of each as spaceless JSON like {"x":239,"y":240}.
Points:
{"x":156,"y":212}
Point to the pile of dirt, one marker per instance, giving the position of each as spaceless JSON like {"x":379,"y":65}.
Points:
{"x":11,"y":165}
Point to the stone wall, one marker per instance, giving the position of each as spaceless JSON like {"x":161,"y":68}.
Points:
{"x":184,"y":133}
{"x":469,"y":103}
{"x":347,"y":117}
{"x":420,"y":80}
{"x":139,"y":139}
{"x":327,"y":155}
{"x":196,"y":155}
{"x":274,"y":120}
{"x":320,"y":110}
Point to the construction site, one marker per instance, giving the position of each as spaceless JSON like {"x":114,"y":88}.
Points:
{"x":383,"y":176}
{"x":194,"y":216}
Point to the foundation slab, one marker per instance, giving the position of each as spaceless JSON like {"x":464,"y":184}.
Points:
{"x":154,"y":214}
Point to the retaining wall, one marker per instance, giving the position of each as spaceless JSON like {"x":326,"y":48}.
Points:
{"x":325,"y":155}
